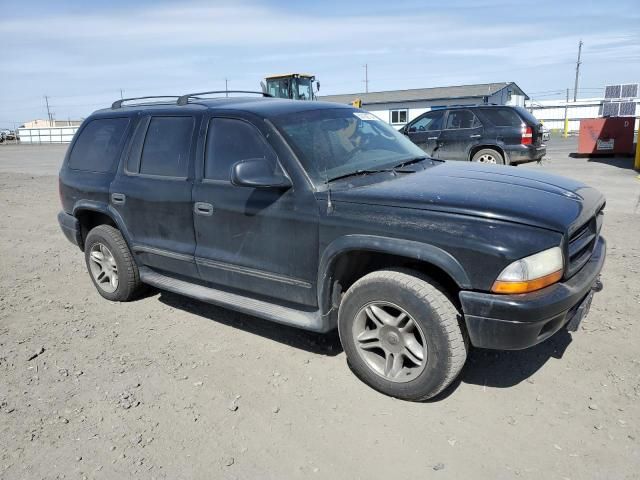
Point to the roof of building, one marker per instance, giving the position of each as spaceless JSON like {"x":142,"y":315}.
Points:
{"x":420,"y":94}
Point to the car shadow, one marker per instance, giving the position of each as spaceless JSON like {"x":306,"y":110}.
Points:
{"x":504,"y":369}
{"x":323,"y":344}
{"x":626,"y":163}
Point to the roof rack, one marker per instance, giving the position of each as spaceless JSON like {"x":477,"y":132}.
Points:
{"x":118,"y":103}
{"x":184,"y":99}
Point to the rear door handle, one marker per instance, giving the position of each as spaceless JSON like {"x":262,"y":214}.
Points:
{"x":202,"y":208}
{"x":477,"y":135}
{"x":118,"y":198}
{"x":432,"y":138}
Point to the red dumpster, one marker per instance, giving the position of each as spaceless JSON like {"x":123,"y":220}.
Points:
{"x":613,"y":136}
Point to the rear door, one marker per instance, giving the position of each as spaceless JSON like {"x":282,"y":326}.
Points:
{"x":153,"y":193}
{"x":425,"y":131}
{"x":461,"y":133}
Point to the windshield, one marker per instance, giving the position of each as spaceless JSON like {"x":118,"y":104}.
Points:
{"x":302,"y":90}
{"x":333,"y":142}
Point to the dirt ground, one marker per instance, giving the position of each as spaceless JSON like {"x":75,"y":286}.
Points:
{"x":166,"y":387}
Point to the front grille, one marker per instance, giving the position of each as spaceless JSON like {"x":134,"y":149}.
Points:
{"x":582,"y":243}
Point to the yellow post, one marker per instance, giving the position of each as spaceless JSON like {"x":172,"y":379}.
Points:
{"x":637,"y":163}
{"x":566,"y":127}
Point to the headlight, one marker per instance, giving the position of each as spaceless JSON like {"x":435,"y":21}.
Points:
{"x":531,"y":273}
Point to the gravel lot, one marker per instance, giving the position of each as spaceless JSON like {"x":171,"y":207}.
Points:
{"x":166,"y":387}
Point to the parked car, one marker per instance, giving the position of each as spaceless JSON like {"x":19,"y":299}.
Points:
{"x":487,"y":134}
{"x":321,"y":216}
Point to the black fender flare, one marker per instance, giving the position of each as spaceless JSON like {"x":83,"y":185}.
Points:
{"x":395,"y":246}
{"x":106,"y":209}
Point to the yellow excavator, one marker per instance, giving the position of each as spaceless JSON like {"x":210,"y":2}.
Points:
{"x":294,"y":86}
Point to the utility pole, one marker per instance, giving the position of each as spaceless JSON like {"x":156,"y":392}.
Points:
{"x":566,"y":116}
{"x":575,"y":86}
{"x":46,"y":99}
{"x":366,"y":78}
{"x":121,"y":95}
{"x":226,"y":87}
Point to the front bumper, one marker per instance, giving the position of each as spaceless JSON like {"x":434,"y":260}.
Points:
{"x":514,"y":322}
{"x":71,"y":228}
{"x":525,"y":153}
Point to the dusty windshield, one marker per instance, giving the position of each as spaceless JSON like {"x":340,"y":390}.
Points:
{"x":337,"y":141}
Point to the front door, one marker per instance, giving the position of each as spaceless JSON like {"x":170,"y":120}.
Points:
{"x":261,"y":241}
{"x":462,"y":132}
{"x":425,"y":131}
{"x":152,"y":193}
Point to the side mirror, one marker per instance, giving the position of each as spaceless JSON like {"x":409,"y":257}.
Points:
{"x":259,"y":173}
{"x":318,"y":86}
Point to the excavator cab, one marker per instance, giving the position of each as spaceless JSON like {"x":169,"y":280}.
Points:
{"x":294,"y":86}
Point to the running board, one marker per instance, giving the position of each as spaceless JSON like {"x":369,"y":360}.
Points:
{"x":313,"y":321}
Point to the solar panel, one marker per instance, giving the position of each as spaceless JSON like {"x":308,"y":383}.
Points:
{"x":612,"y":91}
{"x":629,"y":90}
{"x":610,"y":109}
{"x":628,"y":109}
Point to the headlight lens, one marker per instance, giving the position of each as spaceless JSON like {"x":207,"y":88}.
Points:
{"x":531,"y":273}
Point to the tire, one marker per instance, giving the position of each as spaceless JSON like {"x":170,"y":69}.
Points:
{"x":425,"y":304}
{"x":488,"y":155}
{"x":108,"y":242}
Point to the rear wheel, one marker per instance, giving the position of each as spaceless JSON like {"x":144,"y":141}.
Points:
{"x":488,"y":155}
{"x":401,"y":334}
{"x":110,"y":263}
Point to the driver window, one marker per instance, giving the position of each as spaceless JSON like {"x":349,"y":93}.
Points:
{"x":230,"y":141}
{"x":431,"y":121}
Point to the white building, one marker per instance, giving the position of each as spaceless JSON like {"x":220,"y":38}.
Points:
{"x":45,"y":131}
{"x":398,"y":107}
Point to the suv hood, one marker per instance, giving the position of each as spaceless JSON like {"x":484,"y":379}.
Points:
{"x":497,"y":192}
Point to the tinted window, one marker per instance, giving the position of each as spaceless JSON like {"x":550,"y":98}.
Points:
{"x":431,"y":121}
{"x":228,"y":142}
{"x":166,"y":146}
{"x":461,"y":119}
{"x":98,"y":145}
{"x":502,"y":117}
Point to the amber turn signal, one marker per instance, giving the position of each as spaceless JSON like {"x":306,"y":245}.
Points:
{"x":500,"y":286}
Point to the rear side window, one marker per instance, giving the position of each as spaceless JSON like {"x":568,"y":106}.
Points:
{"x":502,"y":117}
{"x":461,"y":119}
{"x":98,"y":145}
{"x":228,"y":142}
{"x":166,"y":147}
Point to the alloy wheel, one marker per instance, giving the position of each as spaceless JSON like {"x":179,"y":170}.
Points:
{"x":103,"y":267}
{"x":390,"y":341}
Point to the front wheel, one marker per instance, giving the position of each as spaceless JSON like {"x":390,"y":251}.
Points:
{"x":401,"y":334}
{"x":488,"y":155}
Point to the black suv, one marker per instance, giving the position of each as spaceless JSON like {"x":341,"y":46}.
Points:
{"x":321,"y":216}
{"x":488,"y":134}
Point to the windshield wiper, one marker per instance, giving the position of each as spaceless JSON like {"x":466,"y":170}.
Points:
{"x":409,"y":161}
{"x":359,"y":172}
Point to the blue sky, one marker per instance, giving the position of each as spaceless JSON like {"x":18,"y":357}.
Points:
{"x":82,"y":53}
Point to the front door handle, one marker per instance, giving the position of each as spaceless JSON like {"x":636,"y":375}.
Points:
{"x":477,"y":135}
{"x":203,"y":208}
{"x":118,"y":198}
{"x":432,"y":138}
